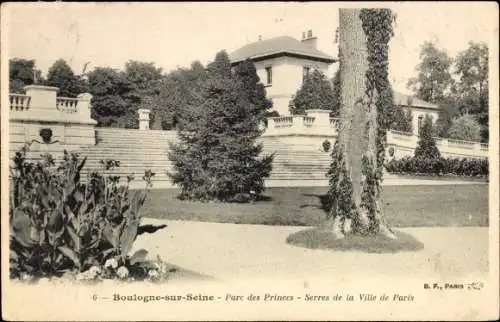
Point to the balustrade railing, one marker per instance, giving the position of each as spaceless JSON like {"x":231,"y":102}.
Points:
{"x":308,"y":121}
{"x":402,"y":133}
{"x":67,"y":104}
{"x":461,"y":143}
{"x":282,"y":121}
{"x":442,"y":142}
{"x":19,"y":102}
{"x":334,"y":122}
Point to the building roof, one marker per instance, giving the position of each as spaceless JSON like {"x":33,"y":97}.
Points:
{"x":407,"y":100}
{"x":279,"y":46}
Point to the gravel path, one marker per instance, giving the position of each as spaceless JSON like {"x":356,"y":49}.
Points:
{"x":231,"y":252}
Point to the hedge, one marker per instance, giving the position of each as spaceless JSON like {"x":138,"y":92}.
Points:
{"x":440,"y":166}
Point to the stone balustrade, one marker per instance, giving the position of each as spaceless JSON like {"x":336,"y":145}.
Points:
{"x":308,"y":121}
{"x":19,"y":102}
{"x":334,"y":122}
{"x":405,"y":143}
{"x":41,"y":104}
{"x":316,"y":126}
{"x":67,"y":104}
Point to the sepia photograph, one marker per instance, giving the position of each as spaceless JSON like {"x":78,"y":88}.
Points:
{"x":250,"y":161}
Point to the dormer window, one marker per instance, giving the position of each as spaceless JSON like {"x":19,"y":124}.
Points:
{"x":269,"y":75}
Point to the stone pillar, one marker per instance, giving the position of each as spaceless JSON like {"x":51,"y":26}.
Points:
{"x":43,"y":101}
{"x":84,"y":107}
{"x":143,"y":118}
{"x":321,"y":117}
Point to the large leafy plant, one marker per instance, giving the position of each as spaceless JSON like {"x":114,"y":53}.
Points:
{"x":60,"y":224}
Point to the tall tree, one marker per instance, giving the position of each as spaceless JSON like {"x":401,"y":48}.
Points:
{"x":145,"y":79}
{"x":217,"y":156}
{"x":254,"y":90}
{"x":110,"y":106}
{"x":315,"y":93}
{"x":472,"y":69}
{"x":465,"y":128}
{"x":179,"y":96}
{"x":434,"y":77}
{"x":22,"y":72}
{"x":61,"y":75}
{"x":358,"y":154}
{"x":447,"y":111}
{"x":401,"y":120}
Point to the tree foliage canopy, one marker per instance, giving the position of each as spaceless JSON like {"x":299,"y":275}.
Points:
{"x":465,"y":128}
{"x":217,"y":157}
{"x":472,"y":89}
{"x":315,"y":93}
{"x":434,"y":79}
{"x":111,"y":105}
{"x":22,"y":72}
{"x":62,"y":76}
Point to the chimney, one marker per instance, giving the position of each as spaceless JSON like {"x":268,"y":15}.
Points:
{"x":309,"y":40}
{"x":260,"y":37}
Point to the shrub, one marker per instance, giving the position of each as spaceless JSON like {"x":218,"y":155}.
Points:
{"x":465,"y":128}
{"x":60,"y":225}
{"x":439,"y":166}
{"x":326,"y":145}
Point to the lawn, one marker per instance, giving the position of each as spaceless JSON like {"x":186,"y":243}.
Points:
{"x":404,"y":206}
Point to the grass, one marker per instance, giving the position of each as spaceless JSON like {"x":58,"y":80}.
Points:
{"x":403,"y":206}
{"x":317,"y":238}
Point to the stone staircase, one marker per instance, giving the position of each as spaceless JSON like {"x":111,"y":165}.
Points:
{"x":140,"y":150}
{"x":136,"y":150}
{"x":296,"y":163}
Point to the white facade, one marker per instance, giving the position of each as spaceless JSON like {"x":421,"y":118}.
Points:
{"x":287,"y":75}
{"x":418,"y":116}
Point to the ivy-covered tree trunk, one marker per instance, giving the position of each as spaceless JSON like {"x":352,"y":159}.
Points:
{"x":356,"y":168}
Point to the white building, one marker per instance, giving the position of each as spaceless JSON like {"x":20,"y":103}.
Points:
{"x":419,"y":109}
{"x":282,"y":62}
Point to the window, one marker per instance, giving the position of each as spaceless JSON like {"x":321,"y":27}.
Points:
{"x":269,"y":75}
{"x":420,"y":123}
{"x":305,"y":73}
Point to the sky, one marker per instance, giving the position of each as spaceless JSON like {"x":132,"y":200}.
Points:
{"x":175,"y":34}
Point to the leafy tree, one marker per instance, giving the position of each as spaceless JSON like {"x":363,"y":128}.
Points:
{"x":472,"y":89}
{"x":61,"y":75}
{"x":179,"y":97}
{"x":402,"y":121}
{"x":253,"y":88}
{"x":447,"y":112}
{"x":434,"y":77}
{"x":336,"y":87}
{"x":465,"y":128}
{"x":110,"y":103}
{"x":144,"y":79}
{"x":22,"y":72}
{"x":315,"y":93}
{"x":217,"y":156}
{"x":426,"y":147}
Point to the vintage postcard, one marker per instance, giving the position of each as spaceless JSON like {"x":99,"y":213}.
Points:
{"x":250,"y":161}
